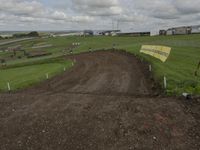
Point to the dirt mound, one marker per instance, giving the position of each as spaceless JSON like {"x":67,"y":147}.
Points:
{"x":105,"y":102}
{"x":102,"y":73}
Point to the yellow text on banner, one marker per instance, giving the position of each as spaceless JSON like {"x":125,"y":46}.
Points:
{"x":160,"y":52}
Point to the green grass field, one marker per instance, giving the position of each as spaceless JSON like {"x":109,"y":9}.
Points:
{"x":179,"y":68}
{"x":24,"y":75}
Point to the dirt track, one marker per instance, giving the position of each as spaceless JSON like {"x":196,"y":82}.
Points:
{"x":104,"y":102}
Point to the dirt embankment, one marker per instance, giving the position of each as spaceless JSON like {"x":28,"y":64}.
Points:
{"x":101,"y":73}
{"x":104,"y":102}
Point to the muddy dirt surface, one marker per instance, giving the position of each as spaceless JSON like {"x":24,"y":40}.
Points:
{"x":105,"y":102}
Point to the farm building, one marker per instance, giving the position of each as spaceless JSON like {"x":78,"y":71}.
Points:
{"x":162,"y":32}
{"x":169,"y":32}
{"x":184,"y":30}
{"x":179,"y":30}
{"x":134,"y":34}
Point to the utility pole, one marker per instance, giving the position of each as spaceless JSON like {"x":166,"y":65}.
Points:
{"x":117,"y":24}
{"x":113,"y":24}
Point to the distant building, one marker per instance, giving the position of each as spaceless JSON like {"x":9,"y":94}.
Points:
{"x":184,"y":30}
{"x":169,"y":31}
{"x":113,"y":33}
{"x":134,"y":34}
{"x":88,"y":33}
{"x":97,"y":33}
{"x":107,"y":32}
{"x":162,"y":32}
{"x":179,"y":30}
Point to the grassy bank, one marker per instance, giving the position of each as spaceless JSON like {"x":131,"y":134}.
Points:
{"x":179,"y":68}
{"x":24,"y":75}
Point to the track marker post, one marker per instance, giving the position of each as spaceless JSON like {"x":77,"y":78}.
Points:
{"x":150,"y":68}
{"x":165,"y":82}
{"x":64,"y":69}
{"x":8,"y":85}
{"x":47,"y":76}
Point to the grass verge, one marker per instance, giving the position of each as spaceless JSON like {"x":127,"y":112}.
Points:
{"x":24,"y":75}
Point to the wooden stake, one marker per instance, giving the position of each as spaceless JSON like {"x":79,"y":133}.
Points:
{"x":165,"y":82}
{"x":47,"y":76}
{"x":8,"y":84}
{"x":150,"y":68}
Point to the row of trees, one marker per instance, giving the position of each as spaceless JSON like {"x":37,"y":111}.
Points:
{"x":22,"y":35}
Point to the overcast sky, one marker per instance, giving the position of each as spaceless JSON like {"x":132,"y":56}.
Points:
{"x":132,"y":15}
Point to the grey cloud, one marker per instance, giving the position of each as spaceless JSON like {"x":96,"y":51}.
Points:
{"x":19,"y":7}
{"x":97,"y":8}
{"x":95,"y":4}
{"x":162,"y":9}
{"x":33,"y":10}
{"x":187,"y":6}
{"x":99,"y":14}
